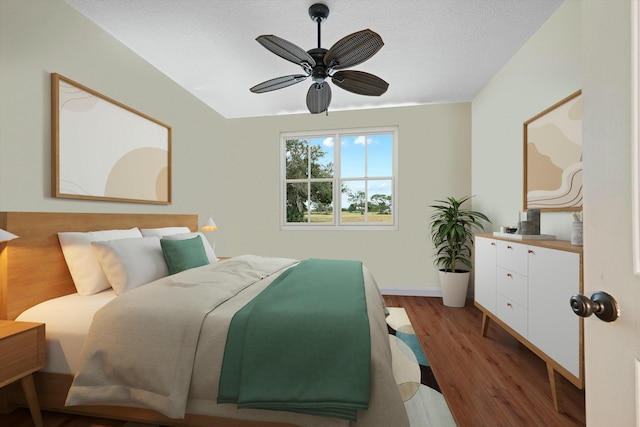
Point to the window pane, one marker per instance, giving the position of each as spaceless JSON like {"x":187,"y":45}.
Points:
{"x":361,"y":175}
{"x":296,"y":158}
{"x":296,"y":202}
{"x":352,"y":156}
{"x":379,"y":192}
{"x":322,"y":202}
{"x":380,"y":155}
{"x":322,"y":157}
{"x":353,"y":201}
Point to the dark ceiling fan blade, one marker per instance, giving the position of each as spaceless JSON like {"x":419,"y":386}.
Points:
{"x":286,"y":50}
{"x":318,"y":98}
{"x":353,"y":49}
{"x":360,"y":82}
{"x":278,"y":83}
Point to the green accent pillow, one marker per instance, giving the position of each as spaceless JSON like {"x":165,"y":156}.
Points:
{"x":184,"y":254}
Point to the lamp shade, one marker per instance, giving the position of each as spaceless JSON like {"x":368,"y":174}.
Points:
{"x":5,"y":235}
{"x":210,"y":225}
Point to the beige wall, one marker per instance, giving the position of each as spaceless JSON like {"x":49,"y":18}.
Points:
{"x":218,"y":165}
{"x":544,"y":71}
{"x":433,"y":161}
{"x":41,"y":37}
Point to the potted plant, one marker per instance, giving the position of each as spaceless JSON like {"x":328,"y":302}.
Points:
{"x":452,"y":231}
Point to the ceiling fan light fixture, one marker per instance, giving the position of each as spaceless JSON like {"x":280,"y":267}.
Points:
{"x":320,"y":64}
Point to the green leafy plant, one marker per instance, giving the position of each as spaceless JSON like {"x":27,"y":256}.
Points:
{"x":452,"y":231}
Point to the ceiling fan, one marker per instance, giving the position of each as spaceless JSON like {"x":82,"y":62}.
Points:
{"x":321,"y":64}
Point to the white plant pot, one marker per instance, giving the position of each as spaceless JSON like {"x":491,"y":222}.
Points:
{"x":454,"y":287}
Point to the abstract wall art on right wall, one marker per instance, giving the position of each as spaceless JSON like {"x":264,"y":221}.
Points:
{"x":553,"y":157}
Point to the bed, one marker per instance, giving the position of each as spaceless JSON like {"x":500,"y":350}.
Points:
{"x":36,"y":272}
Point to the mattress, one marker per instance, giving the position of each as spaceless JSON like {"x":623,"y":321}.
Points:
{"x":67,"y":320}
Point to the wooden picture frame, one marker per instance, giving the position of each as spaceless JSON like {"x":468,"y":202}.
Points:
{"x":553,"y":157}
{"x":103,"y":150}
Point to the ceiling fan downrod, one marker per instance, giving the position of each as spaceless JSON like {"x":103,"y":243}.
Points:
{"x":318,"y":13}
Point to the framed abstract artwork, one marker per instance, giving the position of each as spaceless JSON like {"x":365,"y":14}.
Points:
{"x":553,"y":157}
{"x":103,"y":150}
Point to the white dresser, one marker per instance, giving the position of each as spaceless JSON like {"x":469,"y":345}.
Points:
{"x":525,"y":286}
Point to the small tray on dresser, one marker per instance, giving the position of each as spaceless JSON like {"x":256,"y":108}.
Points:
{"x":524,"y":236}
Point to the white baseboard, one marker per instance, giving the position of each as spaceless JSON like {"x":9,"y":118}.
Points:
{"x":412,"y":292}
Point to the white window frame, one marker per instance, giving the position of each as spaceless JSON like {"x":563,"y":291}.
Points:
{"x":337,"y":180}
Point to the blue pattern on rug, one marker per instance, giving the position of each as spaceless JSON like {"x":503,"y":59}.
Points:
{"x":426,"y":406}
{"x":427,"y":378}
{"x":412,"y":341}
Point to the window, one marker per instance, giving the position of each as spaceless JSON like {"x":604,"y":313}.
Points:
{"x":339,"y":180}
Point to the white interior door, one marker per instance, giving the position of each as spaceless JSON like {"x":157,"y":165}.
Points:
{"x":611,"y":349}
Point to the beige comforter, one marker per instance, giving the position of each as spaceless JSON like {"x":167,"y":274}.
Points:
{"x":160,"y":346}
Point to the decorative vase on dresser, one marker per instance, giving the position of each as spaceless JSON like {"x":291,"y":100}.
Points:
{"x":524,"y":286}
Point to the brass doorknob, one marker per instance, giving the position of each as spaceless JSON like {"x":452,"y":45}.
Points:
{"x":603,"y":305}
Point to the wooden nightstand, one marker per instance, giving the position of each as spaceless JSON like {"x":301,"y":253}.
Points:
{"x":22,"y":352}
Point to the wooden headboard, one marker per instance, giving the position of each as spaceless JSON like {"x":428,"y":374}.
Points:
{"x":32,"y":267}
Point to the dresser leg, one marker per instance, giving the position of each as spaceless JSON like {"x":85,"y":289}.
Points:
{"x":556,"y":383}
{"x":485,"y":324}
{"x":32,"y":398}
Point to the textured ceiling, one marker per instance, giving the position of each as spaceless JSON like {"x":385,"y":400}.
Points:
{"x":436,"y":51}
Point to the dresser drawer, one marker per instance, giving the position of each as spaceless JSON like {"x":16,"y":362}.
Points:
{"x":513,"y":256}
{"x":512,"y":285}
{"x":513,"y":314}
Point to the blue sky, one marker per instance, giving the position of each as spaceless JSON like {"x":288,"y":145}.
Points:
{"x":379,"y":160}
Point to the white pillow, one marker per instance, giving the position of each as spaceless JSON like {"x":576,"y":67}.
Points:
{"x":85,"y":269}
{"x":211,"y":255}
{"x":129,"y":263}
{"x":164,"y":231}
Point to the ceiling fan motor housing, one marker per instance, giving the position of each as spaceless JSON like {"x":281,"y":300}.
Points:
{"x":320,"y":72}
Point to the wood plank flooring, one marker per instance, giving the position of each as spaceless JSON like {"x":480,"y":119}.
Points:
{"x":493,"y":381}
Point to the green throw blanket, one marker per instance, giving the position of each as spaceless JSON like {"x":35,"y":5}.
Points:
{"x":303,"y":344}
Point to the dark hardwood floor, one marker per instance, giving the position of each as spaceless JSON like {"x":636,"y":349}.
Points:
{"x":493,"y":381}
